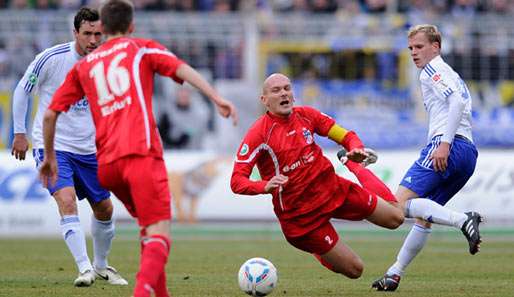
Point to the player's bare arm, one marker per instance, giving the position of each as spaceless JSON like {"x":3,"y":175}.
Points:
{"x":20,"y":145}
{"x":48,"y":169}
{"x":275,"y":182}
{"x":225,"y":108}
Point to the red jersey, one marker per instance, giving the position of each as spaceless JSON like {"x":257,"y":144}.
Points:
{"x":286,"y":146}
{"x":117,"y":79}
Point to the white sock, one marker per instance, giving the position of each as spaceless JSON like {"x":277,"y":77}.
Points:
{"x":430,"y":211}
{"x":76,"y":241}
{"x":103,"y":232}
{"x":411,"y":247}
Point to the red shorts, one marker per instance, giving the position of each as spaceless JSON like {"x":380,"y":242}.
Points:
{"x":141,"y":183}
{"x":358,"y":205}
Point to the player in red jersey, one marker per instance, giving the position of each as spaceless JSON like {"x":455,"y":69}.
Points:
{"x":117,"y":80}
{"x":306,"y":191}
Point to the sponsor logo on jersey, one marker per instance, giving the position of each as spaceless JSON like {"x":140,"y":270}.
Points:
{"x":291,"y":167}
{"x":308,"y":136}
{"x":244,"y":149}
{"x":81,"y":105}
{"x":408,"y":179}
{"x":436,"y":77}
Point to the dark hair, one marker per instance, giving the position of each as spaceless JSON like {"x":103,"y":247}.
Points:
{"x":85,"y":14}
{"x":116,"y":16}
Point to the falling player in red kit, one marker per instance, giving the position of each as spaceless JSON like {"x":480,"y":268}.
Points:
{"x":117,"y":80}
{"x":306,"y":191}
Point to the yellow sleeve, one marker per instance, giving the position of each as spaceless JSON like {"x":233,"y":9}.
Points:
{"x":337,"y":133}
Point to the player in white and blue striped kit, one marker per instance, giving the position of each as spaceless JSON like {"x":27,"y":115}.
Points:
{"x":75,"y":149}
{"x":445,"y":164}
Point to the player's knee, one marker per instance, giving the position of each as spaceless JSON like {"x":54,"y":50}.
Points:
{"x":397,"y":219}
{"x":351,"y":268}
{"x":355,"y":270}
{"x":67,"y":206}
{"x":103,"y":210}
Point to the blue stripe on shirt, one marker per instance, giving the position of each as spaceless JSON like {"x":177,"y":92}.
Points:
{"x":30,"y":86}
{"x":429,"y":70}
{"x":42,"y":59}
{"x":448,"y":92}
{"x":49,"y":52}
{"x":42,"y":62}
{"x":26,"y":87}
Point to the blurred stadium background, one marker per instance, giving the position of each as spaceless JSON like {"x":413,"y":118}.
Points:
{"x":346,"y":57}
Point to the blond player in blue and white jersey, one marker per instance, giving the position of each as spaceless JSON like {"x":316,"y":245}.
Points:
{"x":445,"y":164}
{"x":75,"y":148}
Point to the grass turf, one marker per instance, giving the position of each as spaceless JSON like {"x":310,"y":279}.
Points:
{"x":207,"y":266}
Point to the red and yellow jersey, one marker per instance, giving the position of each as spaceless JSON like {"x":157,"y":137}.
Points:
{"x":286,"y":146}
{"x":117,"y":79}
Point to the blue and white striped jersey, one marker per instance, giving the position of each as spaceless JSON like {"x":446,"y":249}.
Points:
{"x":75,"y":131}
{"x":439,"y":84}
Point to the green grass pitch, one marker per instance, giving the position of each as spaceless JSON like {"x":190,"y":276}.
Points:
{"x":205,"y":262}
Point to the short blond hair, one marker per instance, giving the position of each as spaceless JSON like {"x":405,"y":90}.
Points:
{"x":430,"y":31}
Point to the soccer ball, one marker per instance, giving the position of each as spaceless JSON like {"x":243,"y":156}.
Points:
{"x":257,"y":277}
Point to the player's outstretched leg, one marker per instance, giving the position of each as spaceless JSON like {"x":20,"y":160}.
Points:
{"x":386,"y":283}
{"x":470,"y":228}
{"x":324,"y":263}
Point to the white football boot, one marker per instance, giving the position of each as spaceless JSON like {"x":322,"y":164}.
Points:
{"x":110,"y":275}
{"x":85,"y":279}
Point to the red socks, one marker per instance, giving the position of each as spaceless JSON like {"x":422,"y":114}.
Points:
{"x":152,"y":275}
{"x":161,"y":290}
{"x":323,"y":262}
{"x":370,"y":181}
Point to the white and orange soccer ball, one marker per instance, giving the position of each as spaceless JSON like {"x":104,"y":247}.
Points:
{"x":257,"y":277}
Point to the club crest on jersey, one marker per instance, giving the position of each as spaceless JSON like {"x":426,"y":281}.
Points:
{"x":308,"y":136}
{"x":244,"y":149}
{"x":33,"y":78}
